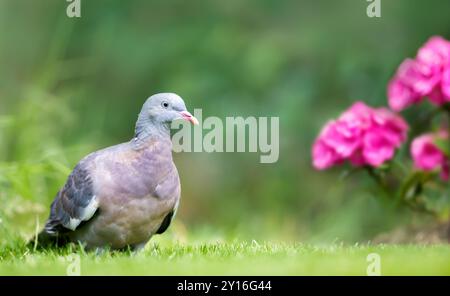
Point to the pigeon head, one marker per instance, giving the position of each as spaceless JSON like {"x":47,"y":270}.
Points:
{"x":159,"y":111}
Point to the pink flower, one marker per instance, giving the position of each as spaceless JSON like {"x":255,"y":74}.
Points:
{"x":401,"y":95}
{"x":434,"y":54}
{"x":427,"y":75}
{"x":427,"y":156}
{"x":445,"y":83}
{"x":324,"y":156}
{"x":362,"y":135}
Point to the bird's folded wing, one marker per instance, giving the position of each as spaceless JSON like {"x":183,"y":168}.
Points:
{"x":76,"y":202}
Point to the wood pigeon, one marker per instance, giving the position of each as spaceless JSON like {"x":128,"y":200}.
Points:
{"x":120,"y":196}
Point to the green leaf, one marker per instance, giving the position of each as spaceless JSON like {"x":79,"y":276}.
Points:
{"x":443,"y":145}
{"x":412,"y":183}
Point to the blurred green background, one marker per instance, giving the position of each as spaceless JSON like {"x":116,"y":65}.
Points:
{"x":72,"y":86}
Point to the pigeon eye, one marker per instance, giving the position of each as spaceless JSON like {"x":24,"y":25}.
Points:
{"x":165,"y":105}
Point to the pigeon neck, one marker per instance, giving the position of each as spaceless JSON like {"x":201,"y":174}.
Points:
{"x":148,"y":132}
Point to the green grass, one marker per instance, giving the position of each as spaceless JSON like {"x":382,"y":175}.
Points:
{"x":234,"y":258}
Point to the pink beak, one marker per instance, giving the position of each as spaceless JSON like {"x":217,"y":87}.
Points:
{"x":189,"y":117}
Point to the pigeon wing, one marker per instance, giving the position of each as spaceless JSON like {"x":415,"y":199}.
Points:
{"x":74,"y":203}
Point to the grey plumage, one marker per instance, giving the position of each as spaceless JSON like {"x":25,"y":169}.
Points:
{"x":120,"y":196}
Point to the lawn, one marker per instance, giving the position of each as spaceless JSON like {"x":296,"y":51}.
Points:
{"x":230,"y":258}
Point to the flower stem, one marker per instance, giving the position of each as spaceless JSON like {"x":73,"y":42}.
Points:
{"x":378,"y":179}
{"x":427,"y":118}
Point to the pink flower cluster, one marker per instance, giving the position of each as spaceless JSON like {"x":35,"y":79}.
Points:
{"x":362,"y":135}
{"x":427,"y":156}
{"x":426,"y":75}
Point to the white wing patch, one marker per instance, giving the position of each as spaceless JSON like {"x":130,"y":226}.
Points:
{"x":89,"y":211}
{"x":87,"y":214}
{"x":175,"y":208}
{"x":73,"y":223}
